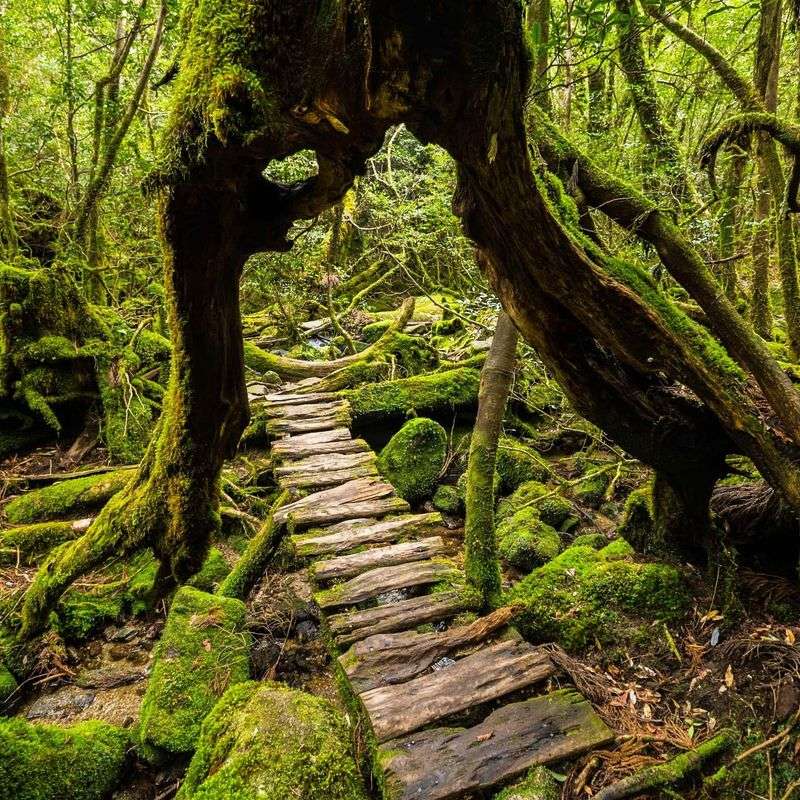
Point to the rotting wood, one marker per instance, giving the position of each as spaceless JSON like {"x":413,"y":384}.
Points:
{"x":292,"y":450}
{"x":486,"y":675}
{"x":280,"y":399}
{"x":327,"y":462}
{"x":446,"y":763}
{"x":323,"y":515}
{"x":385,"y":579}
{"x":350,"y":493}
{"x":391,"y":555}
{"x":329,"y":421}
{"x":355,"y":625}
{"x":343,"y":537}
{"x":322,"y":479}
{"x":391,"y":658}
{"x":305,"y":411}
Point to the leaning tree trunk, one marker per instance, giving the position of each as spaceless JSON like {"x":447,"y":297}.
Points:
{"x":497,"y":378}
{"x":333,"y":78}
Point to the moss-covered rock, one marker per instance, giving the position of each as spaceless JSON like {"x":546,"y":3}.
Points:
{"x":47,"y":762}
{"x":80,"y":613}
{"x":8,"y":683}
{"x":584,"y":595}
{"x":414,"y":457}
{"x":593,"y":539}
{"x":525,"y":541}
{"x":517,"y":464}
{"x":448,"y":500}
{"x":203,"y":650}
{"x":636,"y":525}
{"x":539,"y":784}
{"x":523,"y":497}
{"x":264,"y":741}
{"x":70,"y":498}
{"x":554,"y":510}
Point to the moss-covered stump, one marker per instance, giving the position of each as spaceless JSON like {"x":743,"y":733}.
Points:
{"x":539,"y":784}
{"x":265,"y":741}
{"x":414,"y":457}
{"x":525,"y":541}
{"x":585,"y":595}
{"x":29,"y":542}
{"x":67,"y":498}
{"x":46,"y":762}
{"x":518,"y":464}
{"x":204,"y":649}
{"x":436,"y":393}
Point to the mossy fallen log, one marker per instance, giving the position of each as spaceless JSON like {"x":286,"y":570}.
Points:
{"x":438,"y":392}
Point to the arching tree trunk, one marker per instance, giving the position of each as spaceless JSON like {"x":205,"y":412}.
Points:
{"x":497,"y":378}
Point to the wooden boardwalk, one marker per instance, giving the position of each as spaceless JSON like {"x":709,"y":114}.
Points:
{"x":454,"y":711}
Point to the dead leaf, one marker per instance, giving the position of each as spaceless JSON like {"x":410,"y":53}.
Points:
{"x":789,"y":638}
{"x":207,"y":645}
{"x":729,"y":682}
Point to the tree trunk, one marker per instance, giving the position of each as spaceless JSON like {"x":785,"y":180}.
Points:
{"x":497,"y":377}
{"x":8,"y":232}
{"x":538,"y":25}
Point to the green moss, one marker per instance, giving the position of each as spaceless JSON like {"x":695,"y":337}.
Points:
{"x":80,"y":613}
{"x":525,"y":541}
{"x":448,"y":500}
{"x":213,"y":572}
{"x":203,"y":650}
{"x":595,"y":540}
{"x":45,"y":762}
{"x":414,"y":457}
{"x":522,"y":498}
{"x":554,"y":510}
{"x":374,"y":330}
{"x":264,"y":741}
{"x":518,"y":464}
{"x":8,"y":683}
{"x":584,"y":595}
{"x":539,"y":784}
{"x":591,"y":491}
{"x":28,"y":542}
{"x":637,"y":524}
{"x":439,"y":392}
{"x":447,"y":327}
{"x":70,"y":498}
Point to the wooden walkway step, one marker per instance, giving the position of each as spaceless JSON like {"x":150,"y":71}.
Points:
{"x":486,"y":675}
{"x":385,"y":659}
{"x":337,"y":440}
{"x":321,"y":471}
{"x":447,"y":763}
{"x":308,"y":410}
{"x":385,"y":579}
{"x":289,"y":398}
{"x":350,"y":536}
{"x":356,"y":625}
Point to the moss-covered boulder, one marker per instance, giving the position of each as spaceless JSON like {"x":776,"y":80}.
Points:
{"x":523,"y":497}
{"x":637,"y":525}
{"x":525,"y":541}
{"x":593,"y":539}
{"x":47,"y":762}
{"x":539,"y":784}
{"x":517,"y":464}
{"x":70,"y":498}
{"x":265,"y":741}
{"x":591,"y":490}
{"x":414,"y":457}
{"x":203,"y":650}
{"x":554,"y":510}
{"x":448,"y":500}
{"x":80,"y":613}
{"x":585,"y":595}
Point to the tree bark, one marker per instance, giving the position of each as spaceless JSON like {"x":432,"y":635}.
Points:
{"x":497,"y":377}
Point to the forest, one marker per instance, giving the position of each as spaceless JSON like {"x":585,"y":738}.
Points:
{"x":399,"y":401}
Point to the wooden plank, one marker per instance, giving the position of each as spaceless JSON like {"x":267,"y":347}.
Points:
{"x":335,"y":435}
{"x":356,"y":563}
{"x":307,"y":517}
{"x":326,"y":462}
{"x":344,"y":537}
{"x":306,"y":410}
{"x":486,"y":675}
{"x":290,"y":398}
{"x":447,"y":763}
{"x":294,"y":450}
{"x":279,"y":427}
{"x":386,"y":659}
{"x":384,"y":579}
{"x":358,"y":491}
{"x":323,"y":480}
{"x":355,"y":625}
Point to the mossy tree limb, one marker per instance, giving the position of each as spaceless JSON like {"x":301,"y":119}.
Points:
{"x":497,"y":377}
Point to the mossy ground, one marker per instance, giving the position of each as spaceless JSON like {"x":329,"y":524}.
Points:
{"x":265,"y":741}
{"x":538,"y":784}
{"x":203,"y":650}
{"x":43,"y":762}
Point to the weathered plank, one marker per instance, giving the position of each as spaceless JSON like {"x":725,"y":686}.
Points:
{"x":486,"y":675}
{"x":293,"y":450}
{"x":280,"y":427}
{"x":446,"y":763}
{"x":326,"y":462}
{"x":390,"y":658}
{"x":289,"y":398}
{"x":384,"y":579}
{"x":306,"y":410}
{"x":354,"y":564}
{"x":322,"y":480}
{"x":323,"y":515}
{"x":355,"y":625}
{"x":319,"y":437}
{"x":351,"y":493}
{"x":347,"y":537}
